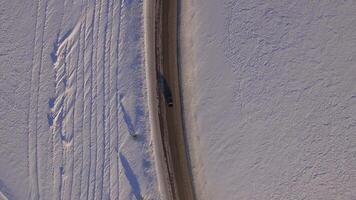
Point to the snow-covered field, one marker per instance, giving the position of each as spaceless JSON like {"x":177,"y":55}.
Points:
{"x":270,"y":98}
{"x":269,"y":94}
{"x":74,"y":113}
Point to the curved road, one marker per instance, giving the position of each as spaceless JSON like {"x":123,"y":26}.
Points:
{"x":170,"y":117}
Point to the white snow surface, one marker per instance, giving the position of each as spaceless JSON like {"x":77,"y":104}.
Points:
{"x":269,"y":90}
{"x":73,"y":101}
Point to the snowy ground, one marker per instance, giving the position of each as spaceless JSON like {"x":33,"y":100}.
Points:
{"x":269,"y":90}
{"x":270,"y":98}
{"x":73,"y":96}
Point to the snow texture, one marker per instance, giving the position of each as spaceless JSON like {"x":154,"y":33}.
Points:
{"x":269,"y":89}
{"x":74,"y":113}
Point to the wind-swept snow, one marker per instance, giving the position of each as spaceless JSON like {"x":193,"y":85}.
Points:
{"x":269,"y":93}
{"x":74,"y":108}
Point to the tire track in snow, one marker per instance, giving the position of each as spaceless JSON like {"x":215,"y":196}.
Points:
{"x":71,"y":92}
{"x":56,"y":174}
{"x":59,"y":123}
{"x":100,"y":65}
{"x":78,"y":125}
{"x":33,"y":182}
{"x":68,"y":137}
{"x":113,"y":102}
{"x":67,"y":141}
{"x":94,"y":160}
{"x":41,"y":149}
{"x":88,"y":90}
{"x":63,"y":112}
{"x":112,"y":109}
{"x":85,"y":116}
{"x":98,"y":112}
{"x":87,"y":103}
{"x":35,"y":185}
{"x":81,"y":94}
{"x":64,"y":134}
{"x":107,"y":32}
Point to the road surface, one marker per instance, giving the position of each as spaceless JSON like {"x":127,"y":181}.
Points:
{"x":170,"y":117}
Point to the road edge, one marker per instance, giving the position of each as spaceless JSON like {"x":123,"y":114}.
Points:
{"x":149,"y":10}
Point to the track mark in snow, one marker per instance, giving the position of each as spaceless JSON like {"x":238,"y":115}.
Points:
{"x":41,"y":17}
{"x":107,"y":32}
{"x":64,"y":112}
{"x":113,"y":100}
{"x":93,"y":60}
{"x":92,"y":137}
{"x":98,"y":106}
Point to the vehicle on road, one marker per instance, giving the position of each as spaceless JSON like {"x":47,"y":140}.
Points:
{"x":165,"y":89}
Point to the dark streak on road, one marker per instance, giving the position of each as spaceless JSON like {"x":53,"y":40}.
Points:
{"x":170,"y":117}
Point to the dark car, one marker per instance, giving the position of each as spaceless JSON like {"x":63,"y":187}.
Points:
{"x":167,"y":93}
{"x":169,"y":101}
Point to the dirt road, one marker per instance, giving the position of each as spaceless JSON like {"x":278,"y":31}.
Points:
{"x":170,"y":115}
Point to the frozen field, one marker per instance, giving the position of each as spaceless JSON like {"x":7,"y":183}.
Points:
{"x":268,"y":86}
{"x":269,"y":91}
{"x":74,"y":115}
